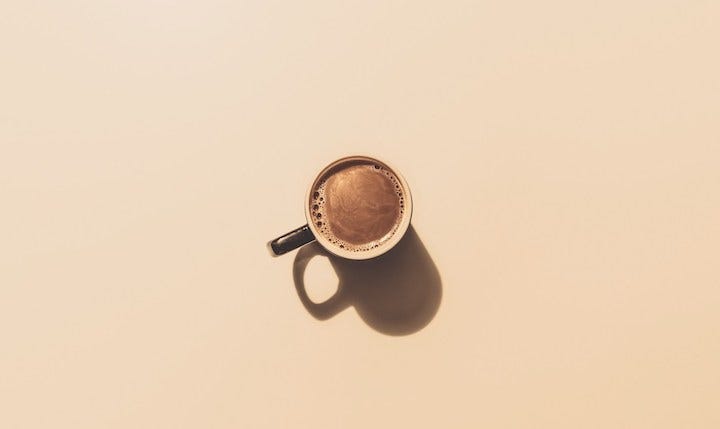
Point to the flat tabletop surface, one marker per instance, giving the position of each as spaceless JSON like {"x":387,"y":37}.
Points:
{"x":562,"y":266}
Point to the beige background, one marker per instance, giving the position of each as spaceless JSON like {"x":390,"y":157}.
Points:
{"x":565,"y":163}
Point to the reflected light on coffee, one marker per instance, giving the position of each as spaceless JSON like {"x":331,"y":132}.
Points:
{"x":357,"y":205}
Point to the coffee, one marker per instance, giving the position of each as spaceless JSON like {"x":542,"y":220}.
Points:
{"x":358,"y":204}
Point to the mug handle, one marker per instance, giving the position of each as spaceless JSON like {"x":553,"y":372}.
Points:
{"x":291,"y":241}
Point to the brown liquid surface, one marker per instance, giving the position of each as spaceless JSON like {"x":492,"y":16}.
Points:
{"x":358,"y":205}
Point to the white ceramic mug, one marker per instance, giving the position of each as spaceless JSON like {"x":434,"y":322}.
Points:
{"x":358,"y":207}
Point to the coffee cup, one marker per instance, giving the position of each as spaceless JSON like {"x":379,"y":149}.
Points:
{"x":358,"y":207}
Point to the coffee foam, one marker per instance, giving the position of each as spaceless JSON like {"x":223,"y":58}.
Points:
{"x":357,"y":205}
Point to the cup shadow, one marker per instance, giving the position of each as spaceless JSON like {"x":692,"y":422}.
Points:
{"x":397,"y":293}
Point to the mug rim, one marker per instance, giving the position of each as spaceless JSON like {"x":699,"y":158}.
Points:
{"x":367,"y":254}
